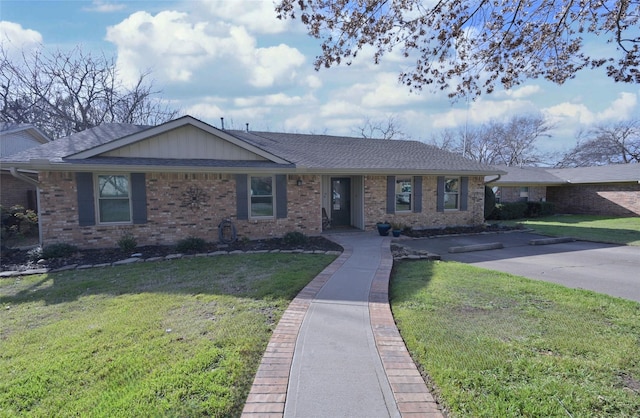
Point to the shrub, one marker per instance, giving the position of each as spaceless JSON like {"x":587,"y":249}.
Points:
{"x":59,"y":250}
{"x":127,"y":242}
{"x":510,"y":210}
{"x":537,"y":209}
{"x":295,"y":238}
{"x":18,"y":220}
{"x":489,"y":202}
{"x":191,"y":244}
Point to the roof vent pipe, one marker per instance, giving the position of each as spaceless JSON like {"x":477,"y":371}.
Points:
{"x":247,"y":127}
{"x":222,"y":123}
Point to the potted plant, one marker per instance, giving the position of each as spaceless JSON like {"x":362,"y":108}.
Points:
{"x":396,"y":229}
{"x":383,"y":228}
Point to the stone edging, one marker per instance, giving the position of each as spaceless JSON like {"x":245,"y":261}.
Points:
{"x":409,"y":389}
{"x":177,"y":256}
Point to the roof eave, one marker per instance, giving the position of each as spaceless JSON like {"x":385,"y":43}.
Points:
{"x":171,"y":125}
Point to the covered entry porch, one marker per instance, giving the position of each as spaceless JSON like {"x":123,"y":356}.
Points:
{"x":343,"y":201}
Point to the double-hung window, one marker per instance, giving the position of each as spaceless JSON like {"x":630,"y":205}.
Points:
{"x":114,"y":198}
{"x":261,"y":200}
{"x":404,"y":197}
{"x":452,"y":193}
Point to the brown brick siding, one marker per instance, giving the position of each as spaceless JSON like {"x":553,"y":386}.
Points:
{"x":512,"y":194}
{"x":375,"y":192}
{"x":596,"y":199}
{"x":167,"y":221}
{"x":15,"y":192}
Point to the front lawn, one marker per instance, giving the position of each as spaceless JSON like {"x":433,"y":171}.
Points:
{"x":498,"y":345}
{"x":172,"y":338}
{"x":624,"y":231}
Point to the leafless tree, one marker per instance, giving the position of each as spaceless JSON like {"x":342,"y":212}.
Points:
{"x":65,"y":92}
{"x":389,"y":128}
{"x":511,"y":143}
{"x":467,"y":47}
{"x":613,"y":143}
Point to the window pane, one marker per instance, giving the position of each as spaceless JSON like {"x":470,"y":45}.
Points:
{"x":451,"y":185}
{"x":114,"y":210}
{"x":113,"y":186}
{"x":403,"y":194}
{"x":451,"y":201}
{"x":261,"y":186}
{"x":261,"y":206}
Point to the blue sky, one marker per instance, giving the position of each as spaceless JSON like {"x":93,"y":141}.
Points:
{"x":234,"y":59}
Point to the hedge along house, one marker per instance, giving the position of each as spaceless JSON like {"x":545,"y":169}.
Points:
{"x":182,"y":178}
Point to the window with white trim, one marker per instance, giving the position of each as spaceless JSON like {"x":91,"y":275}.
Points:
{"x":261,"y":200}
{"x":404,"y":194}
{"x":114,"y":198}
{"x":452,"y":193}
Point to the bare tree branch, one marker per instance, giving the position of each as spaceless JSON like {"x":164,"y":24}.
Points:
{"x":63,"y":92}
{"x":614,"y":143}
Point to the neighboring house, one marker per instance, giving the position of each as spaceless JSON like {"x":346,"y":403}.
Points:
{"x":599,"y":190}
{"x":14,"y":138}
{"x":182,"y":178}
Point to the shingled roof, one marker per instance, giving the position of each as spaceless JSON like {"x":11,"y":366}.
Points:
{"x":308,"y":152}
{"x":325,"y":152}
{"x":614,"y":173}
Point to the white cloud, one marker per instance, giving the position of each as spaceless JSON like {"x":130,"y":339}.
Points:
{"x":168,"y":43}
{"x":180,"y":48}
{"x":481,"y":111}
{"x":522,"y":92}
{"x":14,"y":38}
{"x":104,"y":7}
{"x":258,"y":16}
{"x":274,"y":64}
{"x":621,"y":108}
{"x":313,"y":82}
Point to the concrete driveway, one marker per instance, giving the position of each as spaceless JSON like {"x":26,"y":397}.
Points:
{"x":604,"y":268}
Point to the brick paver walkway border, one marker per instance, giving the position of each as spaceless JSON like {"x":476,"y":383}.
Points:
{"x":269,"y":390}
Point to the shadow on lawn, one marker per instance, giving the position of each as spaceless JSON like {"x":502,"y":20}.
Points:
{"x":253,"y":276}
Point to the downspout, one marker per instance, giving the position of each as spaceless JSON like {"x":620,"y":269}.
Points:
{"x":15,"y":173}
{"x":491,"y":181}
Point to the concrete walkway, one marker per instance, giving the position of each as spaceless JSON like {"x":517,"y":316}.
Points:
{"x":336,"y":352}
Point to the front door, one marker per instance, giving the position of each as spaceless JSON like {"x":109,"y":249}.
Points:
{"x":340,"y":201}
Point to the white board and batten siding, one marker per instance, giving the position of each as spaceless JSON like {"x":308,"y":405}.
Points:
{"x":185,"y":142}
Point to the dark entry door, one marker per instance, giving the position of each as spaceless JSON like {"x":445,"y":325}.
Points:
{"x":340,"y":201}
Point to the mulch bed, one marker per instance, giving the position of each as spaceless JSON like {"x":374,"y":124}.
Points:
{"x":460,"y":230}
{"x":18,"y":260}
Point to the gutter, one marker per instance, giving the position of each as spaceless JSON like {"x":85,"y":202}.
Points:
{"x":14,"y":172}
{"x":491,"y":181}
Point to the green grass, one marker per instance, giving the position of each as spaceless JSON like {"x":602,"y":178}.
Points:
{"x":175,"y":338}
{"x":624,"y":231}
{"x":494,"y":344}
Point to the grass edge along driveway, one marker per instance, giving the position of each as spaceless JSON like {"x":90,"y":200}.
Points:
{"x":613,"y":230}
{"x":173,"y":338}
{"x":494,"y":344}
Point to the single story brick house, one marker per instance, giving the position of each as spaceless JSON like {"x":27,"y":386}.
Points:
{"x":611,"y":190}
{"x":14,"y":138}
{"x":182,"y":178}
